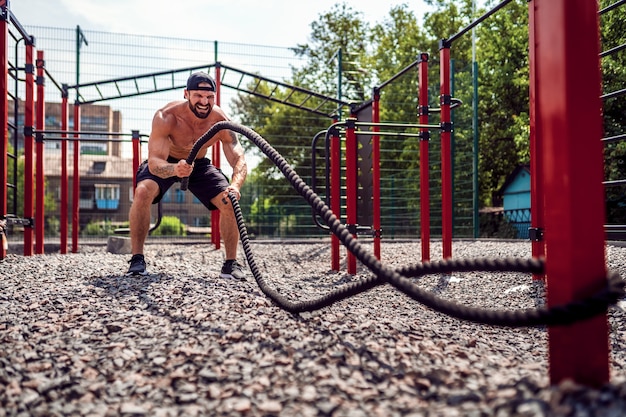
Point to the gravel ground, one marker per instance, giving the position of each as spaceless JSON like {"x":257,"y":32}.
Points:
{"x":78,"y":338}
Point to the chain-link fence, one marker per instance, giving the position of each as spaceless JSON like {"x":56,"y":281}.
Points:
{"x":87,"y":62}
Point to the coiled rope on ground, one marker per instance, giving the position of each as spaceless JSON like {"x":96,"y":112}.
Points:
{"x":556,"y":315}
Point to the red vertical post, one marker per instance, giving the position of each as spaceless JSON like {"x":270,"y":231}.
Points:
{"x":136,"y":143}
{"x":335,"y":192}
{"x":376,"y":173}
{"x":536,"y":168}
{"x":4,"y":115}
{"x":64,"y":175}
{"x":40,"y":221}
{"x":424,"y":158}
{"x":76,"y":180}
{"x":29,"y":148}
{"x":446,"y":149}
{"x":216,"y":155}
{"x":569,"y":127}
{"x":351,"y":185}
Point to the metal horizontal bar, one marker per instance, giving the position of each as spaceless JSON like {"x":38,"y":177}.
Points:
{"x":614,"y":183}
{"x":27,"y":37}
{"x":398,"y":125}
{"x":477,"y":21}
{"x":135,"y":77}
{"x":402,"y":134}
{"x":616,"y":138}
{"x":612,"y":50}
{"x":85,"y":132}
{"x":83,"y":139}
{"x":611,"y":7}
{"x":613,"y":94}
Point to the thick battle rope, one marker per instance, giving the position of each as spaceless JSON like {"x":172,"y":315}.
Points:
{"x":556,"y":315}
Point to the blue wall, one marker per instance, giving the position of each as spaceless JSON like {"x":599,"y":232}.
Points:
{"x":516,"y":201}
{"x":517,"y":194}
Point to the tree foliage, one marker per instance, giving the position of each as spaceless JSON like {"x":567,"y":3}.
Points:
{"x":503,"y":96}
{"x":374,"y":53}
{"x":613,"y":35}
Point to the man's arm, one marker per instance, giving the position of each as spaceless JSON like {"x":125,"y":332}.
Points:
{"x":235,"y":157}
{"x":159,"y":149}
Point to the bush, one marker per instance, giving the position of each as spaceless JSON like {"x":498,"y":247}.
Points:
{"x":170,"y":226}
{"x":99,"y":228}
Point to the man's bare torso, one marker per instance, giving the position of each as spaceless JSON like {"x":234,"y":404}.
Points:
{"x":185,"y":128}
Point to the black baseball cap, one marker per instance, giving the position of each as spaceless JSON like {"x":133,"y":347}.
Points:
{"x":195,"y":79}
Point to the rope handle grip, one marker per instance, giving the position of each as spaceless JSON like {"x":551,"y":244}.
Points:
{"x":184,"y":183}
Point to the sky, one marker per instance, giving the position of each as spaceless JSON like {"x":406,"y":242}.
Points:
{"x":267,"y":22}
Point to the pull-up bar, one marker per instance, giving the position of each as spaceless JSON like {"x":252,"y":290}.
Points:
{"x":477,"y":21}
{"x":30,"y":40}
{"x":399,"y":74}
{"x":87,"y":132}
{"x":612,"y":6}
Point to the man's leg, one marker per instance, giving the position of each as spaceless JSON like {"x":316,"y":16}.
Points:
{"x":230,"y":234}
{"x":228,"y":225}
{"x":139,"y":216}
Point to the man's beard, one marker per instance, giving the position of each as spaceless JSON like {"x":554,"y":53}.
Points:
{"x":198,"y":114}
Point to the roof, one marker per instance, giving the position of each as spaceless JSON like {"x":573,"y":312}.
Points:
{"x":90,"y":166}
{"x":512,"y":176}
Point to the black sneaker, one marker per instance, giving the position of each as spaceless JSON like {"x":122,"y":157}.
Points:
{"x":232,"y":269}
{"x":137,"y":266}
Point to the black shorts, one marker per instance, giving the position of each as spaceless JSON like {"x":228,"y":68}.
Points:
{"x":205,"y":182}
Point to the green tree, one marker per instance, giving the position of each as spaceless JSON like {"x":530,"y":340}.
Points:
{"x":613,"y":35}
{"x":442,"y":25}
{"x":342,"y":28}
{"x":290,"y":130}
{"x":397,"y":42}
{"x":503,"y":91}
{"x":374,"y":55}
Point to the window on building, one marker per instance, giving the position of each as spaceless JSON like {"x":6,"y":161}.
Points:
{"x":107,"y":196}
{"x":180,"y":196}
{"x":97,"y":167}
{"x":86,"y":197}
{"x":92,"y":148}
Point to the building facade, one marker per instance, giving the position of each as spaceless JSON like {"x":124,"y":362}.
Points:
{"x":105,"y":169}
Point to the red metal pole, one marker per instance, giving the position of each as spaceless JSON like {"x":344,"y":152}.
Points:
{"x":536,"y":168}
{"x":40,"y":222}
{"x":29,"y":148}
{"x":424,"y":158}
{"x":376,"y":173}
{"x":446,"y":150}
{"x":351,"y":185}
{"x":216,"y":155}
{"x":4,"y":117}
{"x":76,"y":181}
{"x":569,"y":123}
{"x":64,"y":175}
{"x":335,"y":193}
{"x":136,"y":141}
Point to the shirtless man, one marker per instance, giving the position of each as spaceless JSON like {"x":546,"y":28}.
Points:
{"x":175,"y":128}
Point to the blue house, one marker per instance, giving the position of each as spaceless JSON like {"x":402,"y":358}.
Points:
{"x":516,"y":199}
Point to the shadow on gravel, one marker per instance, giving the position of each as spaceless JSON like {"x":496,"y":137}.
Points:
{"x":137,"y":292}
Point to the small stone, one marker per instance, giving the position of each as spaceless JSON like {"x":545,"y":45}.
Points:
{"x":270,"y":406}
